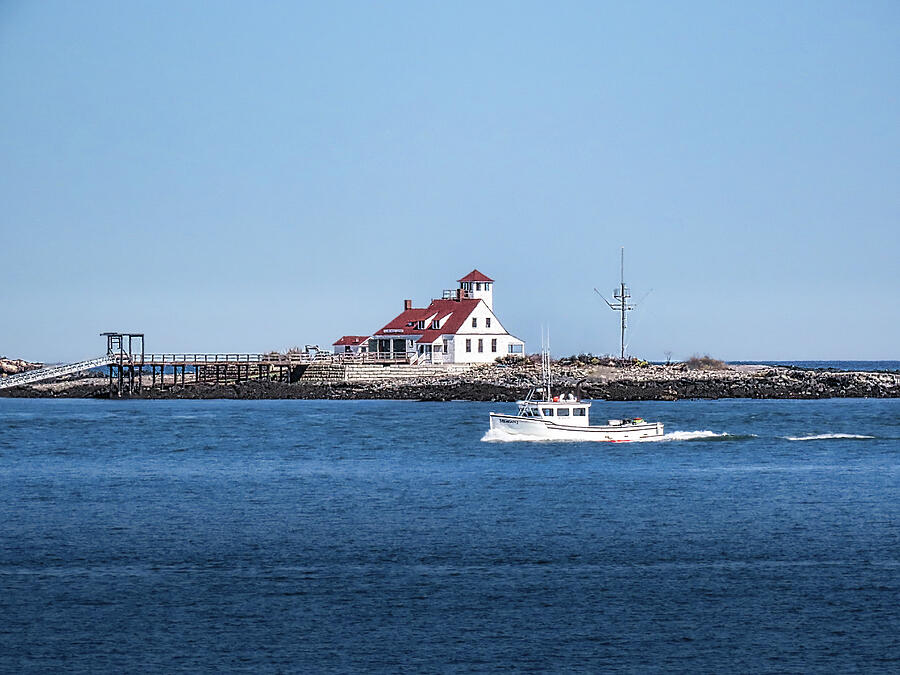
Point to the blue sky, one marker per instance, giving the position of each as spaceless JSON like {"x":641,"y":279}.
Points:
{"x":243,"y":177}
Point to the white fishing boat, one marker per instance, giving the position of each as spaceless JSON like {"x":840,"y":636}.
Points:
{"x":542,"y":416}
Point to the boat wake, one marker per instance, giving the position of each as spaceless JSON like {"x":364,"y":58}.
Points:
{"x":499,"y":436}
{"x":826,"y":437}
{"x":696,"y":436}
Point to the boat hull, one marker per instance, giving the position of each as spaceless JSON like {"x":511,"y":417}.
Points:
{"x":534,"y":428}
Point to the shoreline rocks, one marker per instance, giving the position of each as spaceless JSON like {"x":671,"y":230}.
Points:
{"x":632,"y":382}
{"x":15,"y":366}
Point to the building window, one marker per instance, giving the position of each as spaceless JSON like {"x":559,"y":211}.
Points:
{"x":474,"y":322}
{"x":437,"y":349}
{"x":446,"y":347}
{"x":578,"y":412}
{"x":468,"y":345}
{"x":478,"y":286}
{"x":487,"y":287}
{"x":494,"y":345}
{"x":480,"y":345}
{"x":435,"y":324}
{"x":420,"y":325}
{"x":515,"y":349}
{"x":487,"y":322}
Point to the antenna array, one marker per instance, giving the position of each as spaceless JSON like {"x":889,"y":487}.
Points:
{"x":622,"y":296}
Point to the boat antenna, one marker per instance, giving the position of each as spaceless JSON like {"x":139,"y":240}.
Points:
{"x":622,"y":296}
{"x":545,"y":361}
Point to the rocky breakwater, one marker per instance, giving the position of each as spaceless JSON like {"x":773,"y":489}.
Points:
{"x":620,"y":382}
{"x":678,"y":382}
{"x":590,"y":378}
{"x":15,"y":366}
{"x":643,"y":381}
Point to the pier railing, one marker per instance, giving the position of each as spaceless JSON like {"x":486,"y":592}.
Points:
{"x":374,"y":357}
{"x":32,"y":376}
{"x":197,"y":359}
{"x":203,"y":362}
{"x":294,"y":359}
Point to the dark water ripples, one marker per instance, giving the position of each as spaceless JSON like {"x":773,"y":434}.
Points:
{"x":348,"y":536}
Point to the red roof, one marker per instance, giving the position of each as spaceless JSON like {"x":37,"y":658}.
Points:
{"x":352,"y":340}
{"x":475,"y":275}
{"x":455,"y":312}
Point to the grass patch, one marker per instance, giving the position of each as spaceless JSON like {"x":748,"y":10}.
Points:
{"x":705,"y":362}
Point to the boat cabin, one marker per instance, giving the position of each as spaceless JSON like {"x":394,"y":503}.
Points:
{"x":565,"y":410}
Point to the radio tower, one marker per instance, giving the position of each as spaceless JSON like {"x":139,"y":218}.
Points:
{"x":622,"y":297}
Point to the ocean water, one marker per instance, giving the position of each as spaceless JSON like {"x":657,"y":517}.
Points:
{"x":347,"y":536}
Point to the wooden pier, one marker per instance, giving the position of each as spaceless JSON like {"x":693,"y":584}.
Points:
{"x":131,"y":369}
{"x":209,"y":368}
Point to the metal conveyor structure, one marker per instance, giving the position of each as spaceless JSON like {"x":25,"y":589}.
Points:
{"x":30,"y":376}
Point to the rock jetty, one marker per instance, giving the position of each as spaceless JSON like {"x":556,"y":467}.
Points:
{"x":14,"y":366}
{"x":631,"y":381}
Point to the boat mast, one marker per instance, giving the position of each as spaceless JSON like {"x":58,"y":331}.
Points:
{"x":545,"y":362}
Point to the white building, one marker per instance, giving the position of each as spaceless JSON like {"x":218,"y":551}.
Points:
{"x":351,"y":344}
{"x":460,"y":327}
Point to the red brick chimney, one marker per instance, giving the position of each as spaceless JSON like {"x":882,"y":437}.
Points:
{"x":407,"y":304}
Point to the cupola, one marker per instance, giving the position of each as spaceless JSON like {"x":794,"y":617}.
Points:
{"x":478,"y":286}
